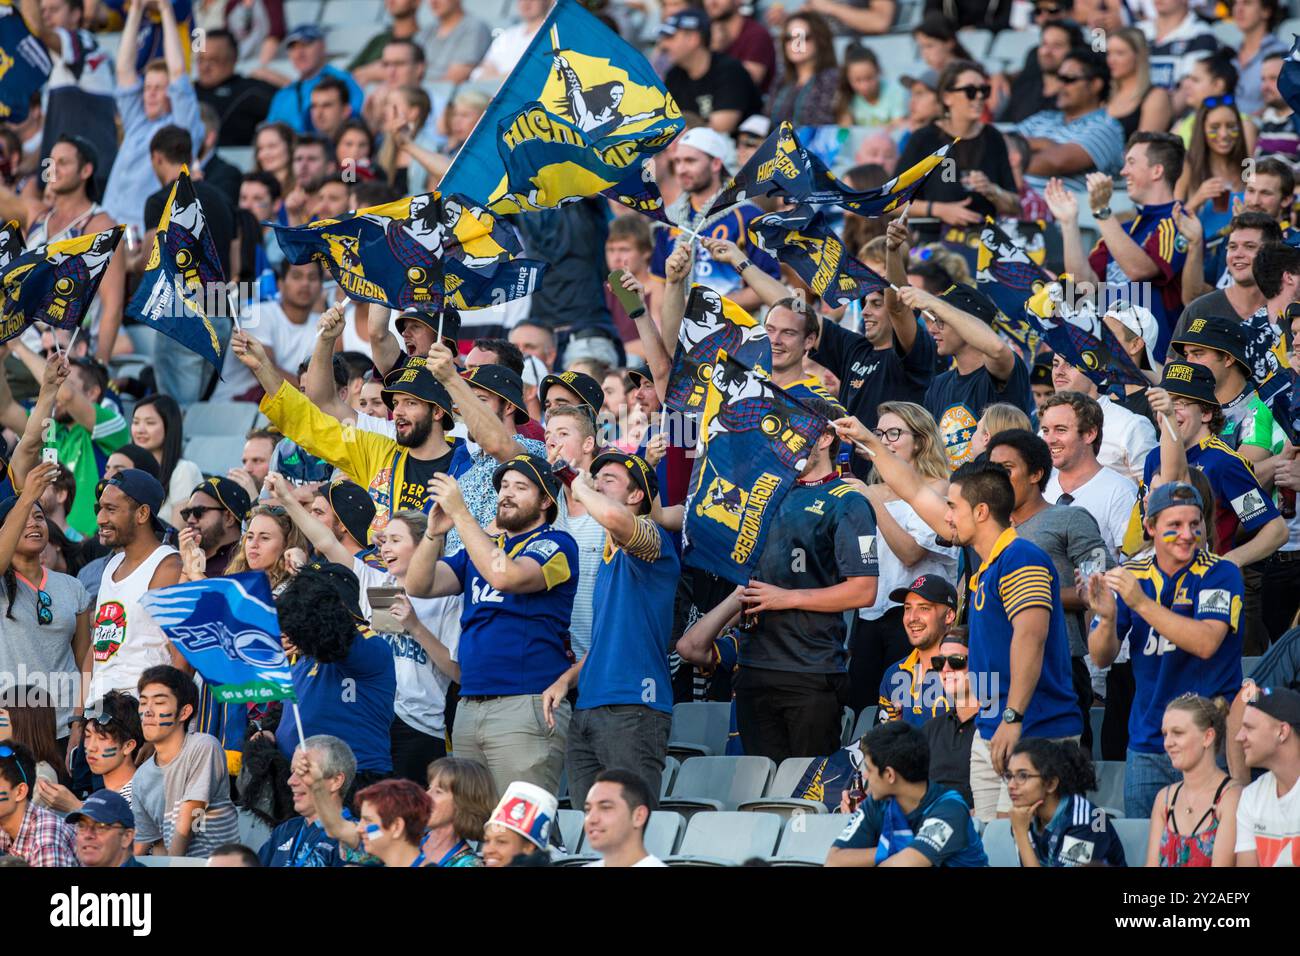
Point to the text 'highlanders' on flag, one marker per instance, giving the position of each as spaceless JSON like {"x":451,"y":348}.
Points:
{"x":427,"y":251}
{"x":183,"y":277}
{"x":55,"y":283}
{"x":756,"y":439}
{"x":783,"y":166}
{"x":25,"y":64}
{"x":712,"y":325}
{"x":577,"y":116}
{"x":228,"y":630}
{"x":804,"y":240}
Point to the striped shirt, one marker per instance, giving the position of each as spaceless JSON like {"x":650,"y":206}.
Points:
{"x":1099,"y":133}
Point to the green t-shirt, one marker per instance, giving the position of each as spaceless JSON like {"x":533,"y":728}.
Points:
{"x":372,"y":51}
{"x":1251,"y":422}
{"x":78,"y":453}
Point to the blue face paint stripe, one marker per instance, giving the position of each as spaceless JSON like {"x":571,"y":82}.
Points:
{"x":108,"y":752}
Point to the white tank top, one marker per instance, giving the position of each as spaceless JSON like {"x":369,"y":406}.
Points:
{"x":125,"y":639}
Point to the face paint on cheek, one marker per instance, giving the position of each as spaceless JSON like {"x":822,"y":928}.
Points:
{"x":165,"y":720}
{"x":107,"y":752}
{"x":1169,"y":536}
{"x":373,"y":831}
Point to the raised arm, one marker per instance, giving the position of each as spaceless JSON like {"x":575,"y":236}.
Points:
{"x":321,"y":538}
{"x":656,"y":356}
{"x":428,"y":575}
{"x":31,"y":10}
{"x":385,"y":350}
{"x":255,"y":358}
{"x":485,"y":428}
{"x":40,"y":478}
{"x":28,"y":452}
{"x":998,"y":357}
{"x":510,"y":575}
{"x":1064,"y":207}
{"x":1193,"y":277}
{"x":129,"y":46}
{"x":613,"y":516}
{"x":173,"y":52}
{"x":1128,"y":255}
{"x":318,"y":380}
{"x":696,"y":645}
{"x":899,"y":475}
{"x":1173,"y":456}
{"x":677,"y":283}
{"x":769,"y":291}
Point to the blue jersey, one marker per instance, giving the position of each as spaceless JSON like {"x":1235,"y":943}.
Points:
{"x":632,"y":623}
{"x":1208,"y":589}
{"x":940,"y":829}
{"x":1019,"y":576}
{"x":351,"y":699}
{"x":1079,"y":834}
{"x":1239,"y":501}
{"x":732,"y":225}
{"x":295,"y":842}
{"x":903,"y":697}
{"x":517,"y":643}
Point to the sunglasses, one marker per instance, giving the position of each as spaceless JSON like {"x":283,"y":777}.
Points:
{"x":956,"y":661}
{"x":7,"y":752}
{"x":974,"y":92}
{"x":890,"y":434}
{"x":44,"y":614}
{"x":1210,"y":102}
{"x":197,"y":512}
{"x":1067,"y":80}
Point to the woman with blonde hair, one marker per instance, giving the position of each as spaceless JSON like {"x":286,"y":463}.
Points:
{"x":1194,"y":821}
{"x":271,"y":543}
{"x":906,"y":547}
{"x":464,"y":797}
{"x":1134,"y":102}
{"x":1000,"y":417}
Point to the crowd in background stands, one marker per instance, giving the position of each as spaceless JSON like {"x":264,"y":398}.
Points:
{"x":478,"y":553}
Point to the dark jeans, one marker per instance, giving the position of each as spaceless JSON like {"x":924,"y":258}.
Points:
{"x":1280,"y":573}
{"x":783,"y":714}
{"x":873,"y":647}
{"x":626,"y":736}
{"x":413,"y":751}
{"x":1120,"y":689}
{"x":1255,"y":636}
{"x":1083,"y":690}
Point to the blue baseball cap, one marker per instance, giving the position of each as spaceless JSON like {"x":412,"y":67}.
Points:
{"x":307,"y":33}
{"x":144,"y":489}
{"x":691,"y":19}
{"x":105,"y":806}
{"x":1172,"y":495}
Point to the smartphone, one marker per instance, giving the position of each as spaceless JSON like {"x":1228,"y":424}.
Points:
{"x":381,"y":618}
{"x":50,"y":455}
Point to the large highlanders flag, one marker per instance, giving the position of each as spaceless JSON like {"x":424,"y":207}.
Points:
{"x":712,"y":325}
{"x":804,"y":240}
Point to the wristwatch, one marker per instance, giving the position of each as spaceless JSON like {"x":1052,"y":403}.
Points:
{"x":1101,"y":214}
{"x":742,"y":266}
{"x":1010,"y":716}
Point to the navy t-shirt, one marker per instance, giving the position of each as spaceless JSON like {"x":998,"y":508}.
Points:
{"x":941,"y":829}
{"x":957,"y":401}
{"x":295,"y":842}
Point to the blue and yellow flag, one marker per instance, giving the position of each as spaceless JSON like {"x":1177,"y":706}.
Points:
{"x":1010,"y":275}
{"x":56,"y":283}
{"x":577,"y":116}
{"x":427,"y":251}
{"x":228,"y":630}
{"x":11,"y":247}
{"x":183,"y":283}
{"x":1288,"y":85}
{"x":25,"y":64}
{"x":783,"y":166}
{"x":711,"y":326}
{"x":804,"y":240}
{"x":1094,"y":351}
{"x":756,"y":439}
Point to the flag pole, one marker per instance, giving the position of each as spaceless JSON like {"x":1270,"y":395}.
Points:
{"x":72,"y":341}
{"x":297,"y":719}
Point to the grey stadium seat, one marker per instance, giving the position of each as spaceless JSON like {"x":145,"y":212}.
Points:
{"x":866,"y":720}
{"x":727,"y":839}
{"x":807,"y":839}
{"x":570,"y":824}
{"x":999,"y":844}
{"x":671,"y":766}
{"x":1095,"y":717}
{"x":215,"y":455}
{"x":219,"y":418}
{"x":1132,"y":833}
{"x":846,"y":727}
{"x":253,"y":830}
{"x":718,"y":783}
{"x":778,"y":797}
{"x":171,"y":860}
{"x":662,"y":833}
{"x":1110,"y":784}
{"x":699,"y":729}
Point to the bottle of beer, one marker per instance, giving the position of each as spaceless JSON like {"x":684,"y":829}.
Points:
{"x":1287,"y":504}
{"x":857,"y":790}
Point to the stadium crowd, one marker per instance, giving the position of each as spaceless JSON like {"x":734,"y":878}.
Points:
{"x":1009,"y":571}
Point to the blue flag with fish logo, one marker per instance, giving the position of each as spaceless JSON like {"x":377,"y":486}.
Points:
{"x":228,"y":630}
{"x":55,"y":283}
{"x":756,"y":440}
{"x":429,"y":251}
{"x":783,"y":166}
{"x":578,"y":116}
{"x":25,"y":64}
{"x":183,"y":283}
{"x":804,"y":240}
{"x":712,"y":325}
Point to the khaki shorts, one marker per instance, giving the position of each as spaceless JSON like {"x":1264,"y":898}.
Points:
{"x":990,"y":793}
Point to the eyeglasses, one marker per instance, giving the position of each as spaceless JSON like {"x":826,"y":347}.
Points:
{"x":197,"y":512}
{"x":44,"y":614}
{"x":93,"y":827}
{"x":7,"y":752}
{"x":974,"y":92}
{"x":891,"y":434}
{"x":1020,"y":777}
{"x":956,"y":661}
{"x":1067,"y":80}
{"x":1210,"y":102}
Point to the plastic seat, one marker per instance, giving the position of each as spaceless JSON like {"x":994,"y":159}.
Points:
{"x":220,"y":418}
{"x":215,"y":455}
{"x":1133,"y":833}
{"x":1095,"y":717}
{"x":1110,"y":784}
{"x":976,"y":41}
{"x":999,"y":844}
{"x":570,"y":823}
{"x":1248,"y":665}
{"x":300,"y":12}
{"x":866,"y":720}
{"x":807,"y":839}
{"x":671,"y":766}
{"x":727,"y":839}
{"x":663,"y":832}
{"x":846,"y":727}
{"x":778,"y":799}
{"x":718,"y":783}
{"x":241,"y":157}
{"x":253,"y":830}
{"x":1010,"y":47}
{"x":699,"y":729}
{"x":896,"y":52}
{"x":356,"y":13}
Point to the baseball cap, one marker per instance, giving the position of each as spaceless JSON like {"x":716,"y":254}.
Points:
{"x":642,"y":474}
{"x":144,"y":489}
{"x":1280,"y":703}
{"x":306,"y":33}
{"x":1218,"y":333}
{"x":692,"y":18}
{"x":533,"y":467}
{"x":927,"y":78}
{"x":1174,"y":494}
{"x":641,"y":377}
{"x":931,"y":587}
{"x":502,"y":382}
{"x":450,"y":324}
{"x":105,"y":806}
{"x":1189,"y":381}
{"x":227,"y":493}
{"x":1141,"y":321}
{"x":961,"y":296}
{"x":1041,"y":373}
{"x":528,"y":810}
{"x":353,"y":506}
{"x":342,"y":581}
{"x":584,"y":386}
{"x":756,"y":125}
{"x":416,"y":380}
{"x":712,"y":143}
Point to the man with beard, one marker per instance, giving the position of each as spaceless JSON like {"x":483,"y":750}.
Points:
{"x":215,"y":513}
{"x":396,"y":471}
{"x":518,"y":589}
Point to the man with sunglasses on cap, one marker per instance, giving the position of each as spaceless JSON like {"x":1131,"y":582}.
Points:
{"x":907,"y":690}
{"x":125,"y":640}
{"x":32,"y":833}
{"x":105,"y":831}
{"x":518,"y":590}
{"x":214,"y":518}
{"x":396,"y":471}
{"x":1180,"y":611}
{"x":347,"y":510}
{"x":625,"y":697}
{"x":1268,"y":813}
{"x":1244,"y":511}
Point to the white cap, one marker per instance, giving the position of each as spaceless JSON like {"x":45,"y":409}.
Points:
{"x":1141,"y":322}
{"x":757,"y":125}
{"x":711,"y":143}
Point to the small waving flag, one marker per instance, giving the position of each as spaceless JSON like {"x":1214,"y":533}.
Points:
{"x":55,"y":283}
